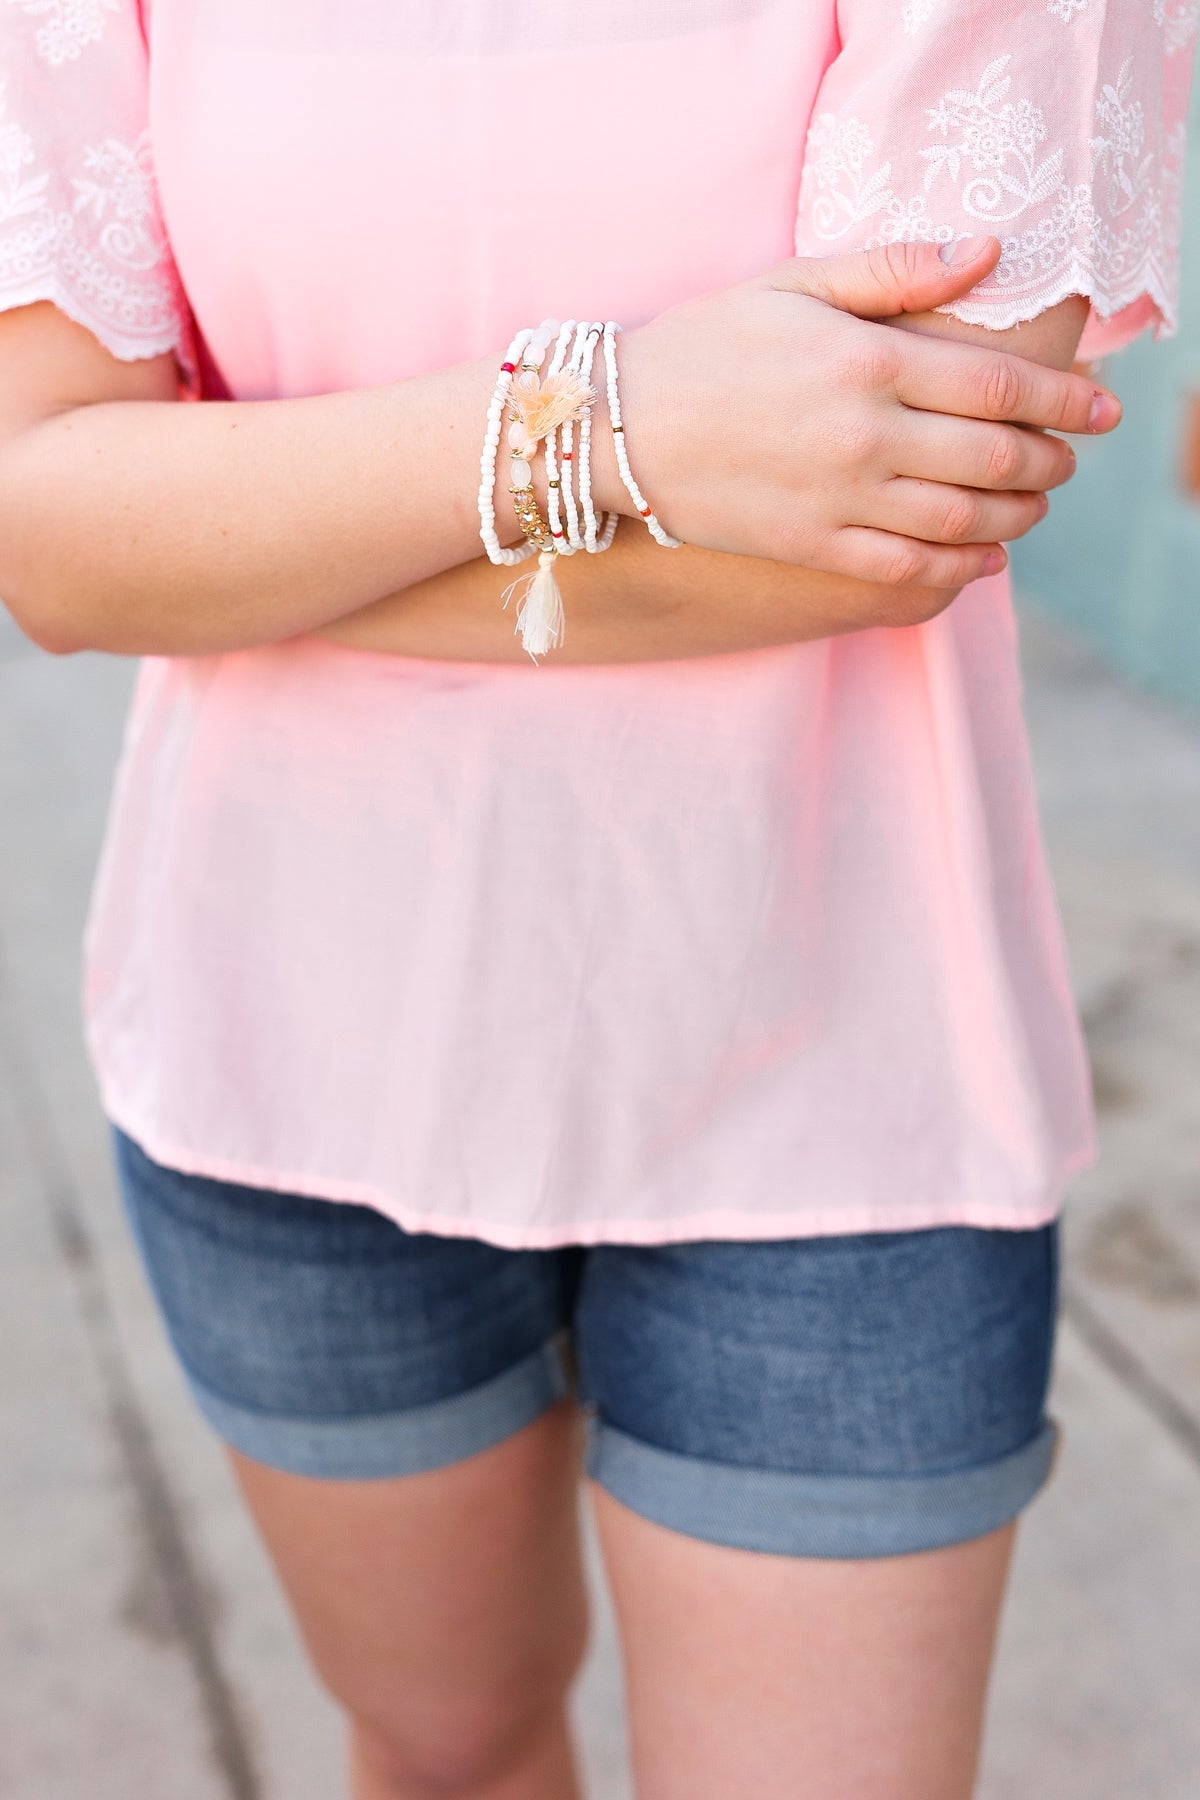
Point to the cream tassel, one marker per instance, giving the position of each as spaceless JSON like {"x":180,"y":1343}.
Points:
{"x":540,"y":618}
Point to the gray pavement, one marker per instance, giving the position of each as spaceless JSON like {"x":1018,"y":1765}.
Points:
{"x":144,"y":1651}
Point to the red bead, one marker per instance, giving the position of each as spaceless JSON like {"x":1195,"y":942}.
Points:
{"x":568,"y":456}
{"x":646,"y":511}
{"x":508,"y":368}
{"x":556,"y":534}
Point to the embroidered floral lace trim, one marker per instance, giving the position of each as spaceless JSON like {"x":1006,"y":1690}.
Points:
{"x":82,"y":226}
{"x":105,"y":260}
{"x":990,"y":167}
{"x":68,"y":27}
{"x":1177,"y":18}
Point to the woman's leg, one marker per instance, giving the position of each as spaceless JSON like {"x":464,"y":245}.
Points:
{"x":801,"y":1678}
{"x":395,"y":1406}
{"x":444,"y":1611}
{"x":807,"y":1456}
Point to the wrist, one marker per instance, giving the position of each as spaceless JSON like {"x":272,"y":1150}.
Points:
{"x":644,"y":431}
{"x":609,"y":493}
{"x":608,"y":490}
{"x":641,"y":424}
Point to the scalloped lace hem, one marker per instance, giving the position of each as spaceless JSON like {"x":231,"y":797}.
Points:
{"x":124,"y":346}
{"x":1108,"y":309}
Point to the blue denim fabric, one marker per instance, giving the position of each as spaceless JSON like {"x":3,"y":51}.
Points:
{"x":861,"y":1395}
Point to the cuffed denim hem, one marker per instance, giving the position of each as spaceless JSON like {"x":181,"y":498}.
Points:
{"x":817,"y":1515}
{"x":378,"y":1446}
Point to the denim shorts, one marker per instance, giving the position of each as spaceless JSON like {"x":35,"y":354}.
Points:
{"x":853,"y":1396}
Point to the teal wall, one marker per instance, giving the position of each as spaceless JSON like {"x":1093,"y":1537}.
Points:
{"x":1118,"y":557}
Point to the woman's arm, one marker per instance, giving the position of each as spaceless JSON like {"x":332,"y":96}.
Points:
{"x":636,"y":604}
{"x":772,"y":423}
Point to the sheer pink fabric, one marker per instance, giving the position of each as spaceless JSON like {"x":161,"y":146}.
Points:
{"x":754,"y":946}
{"x":1057,"y":125}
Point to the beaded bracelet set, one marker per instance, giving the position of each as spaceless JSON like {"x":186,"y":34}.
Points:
{"x":547,"y":411}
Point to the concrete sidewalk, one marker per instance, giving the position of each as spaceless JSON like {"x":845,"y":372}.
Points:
{"x":144,"y":1651}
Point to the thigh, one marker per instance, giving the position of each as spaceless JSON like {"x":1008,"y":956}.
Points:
{"x":397,"y":1409}
{"x":808,"y":1456}
{"x":795,"y":1678}
{"x":446,"y":1611}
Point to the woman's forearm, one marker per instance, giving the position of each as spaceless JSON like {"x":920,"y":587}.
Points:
{"x":638,"y":603}
{"x":134,"y":525}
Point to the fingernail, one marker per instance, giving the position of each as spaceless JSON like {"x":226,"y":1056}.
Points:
{"x":963,"y":250}
{"x":1074,"y":459}
{"x":1105,"y":411}
{"x":1043,"y":506}
{"x":993,"y":562}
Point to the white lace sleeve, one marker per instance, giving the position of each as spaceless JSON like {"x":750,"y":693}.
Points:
{"x":1056,"y":125}
{"x":79,"y":216}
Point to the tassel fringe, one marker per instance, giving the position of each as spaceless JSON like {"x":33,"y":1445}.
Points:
{"x":543,"y":406}
{"x":540,"y":617}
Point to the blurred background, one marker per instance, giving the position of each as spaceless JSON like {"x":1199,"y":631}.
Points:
{"x":143,"y":1649}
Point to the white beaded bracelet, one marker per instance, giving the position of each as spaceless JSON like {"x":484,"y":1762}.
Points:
{"x":497,"y":552}
{"x":525,"y":396}
{"x":546,"y":411}
{"x":653,"y":525}
{"x":593,"y":538}
{"x":538,"y":408}
{"x":569,"y":455}
{"x":585,"y":444}
{"x":554,"y":480}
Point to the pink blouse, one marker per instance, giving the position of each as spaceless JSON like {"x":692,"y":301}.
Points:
{"x":751,"y":946}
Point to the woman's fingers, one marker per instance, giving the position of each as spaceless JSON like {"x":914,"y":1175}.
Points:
{"x":890,"y":279}
{"x":899,"y":561}
{"x":941,"y":513}
{"x":972,"y":453}
{"x":942,"y":376}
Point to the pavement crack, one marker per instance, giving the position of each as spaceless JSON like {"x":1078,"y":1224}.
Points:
{"x":186,"y":1604}
{"x":1139,"y":1381}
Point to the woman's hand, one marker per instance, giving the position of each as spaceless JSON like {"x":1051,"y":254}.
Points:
{"x":776,"y":419}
